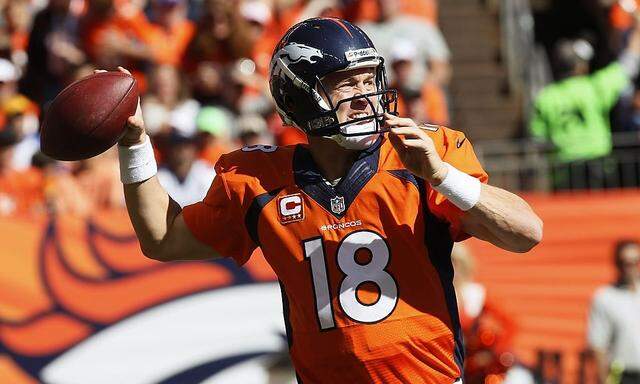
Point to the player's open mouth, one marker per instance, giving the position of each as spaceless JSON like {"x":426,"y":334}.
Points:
{"x":360,"y":115}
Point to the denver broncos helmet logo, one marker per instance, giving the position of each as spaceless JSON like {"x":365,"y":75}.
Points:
{"x":294,"y":53}
{"x":96,"y":311}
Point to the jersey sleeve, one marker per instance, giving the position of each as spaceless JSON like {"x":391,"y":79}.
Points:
{"x":455,"y":149}
{"x":218,"y":220}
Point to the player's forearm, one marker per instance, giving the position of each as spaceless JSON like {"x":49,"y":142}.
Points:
{"x":151,"y":211}
{"x":504,"y":219}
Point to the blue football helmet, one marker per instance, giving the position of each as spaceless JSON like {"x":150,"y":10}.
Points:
{"x":308,"y":52}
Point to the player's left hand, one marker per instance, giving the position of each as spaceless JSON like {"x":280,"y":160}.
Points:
{"x":416,"y":149}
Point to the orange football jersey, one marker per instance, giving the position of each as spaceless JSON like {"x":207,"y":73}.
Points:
{"x":364,"y":266}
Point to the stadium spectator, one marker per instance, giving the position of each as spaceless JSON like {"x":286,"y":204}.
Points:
{"x":621,"y":19}
{"x":20,"y":113}
{"x":173,"y":31}
{"x":185,"y":177}
{"x":21,"y":191}
{"x":432,"y":51}
{"x":252,"y":130}
{"x":613,"y":331}
{"x":423,"y":101}
{"x":488,"y":331}
{"x":53,"y":51}
{"x":15,"y":34}
{"x":168,"y":102}
{"x":117,"y":32}
{"x":228,"y":31}
{"x":572,"y":114}
{"x":99,"y":180}
{"x":361,"y":11}
{"x":62,"y":192}
{"x":212,"y":32}
{"x":214,"y":127}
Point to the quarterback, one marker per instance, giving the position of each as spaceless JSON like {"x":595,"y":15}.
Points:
{"x":358,"y":225}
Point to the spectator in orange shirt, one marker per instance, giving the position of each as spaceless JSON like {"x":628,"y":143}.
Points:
{"x":172,"y":31}
{"x":621,"y":14}
{"x":116,"y":33}
{"x":361,"y":11}
{"x":208,"y":52}
{"x":209,"y":44}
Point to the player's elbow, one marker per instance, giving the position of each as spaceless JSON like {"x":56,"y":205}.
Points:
{"x":156,"y":252}
{"x":530,"y":236}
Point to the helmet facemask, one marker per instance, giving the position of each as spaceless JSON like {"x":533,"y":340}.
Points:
{"x":328,"y":125}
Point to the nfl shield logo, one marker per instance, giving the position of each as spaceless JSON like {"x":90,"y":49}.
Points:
{"x":337,"y":205}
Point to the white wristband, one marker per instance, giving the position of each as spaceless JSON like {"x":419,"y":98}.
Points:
{"x":461,"y":189}
{"x":137,"y":163}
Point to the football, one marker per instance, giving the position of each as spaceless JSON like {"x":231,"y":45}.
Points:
{"x":88,"y":116}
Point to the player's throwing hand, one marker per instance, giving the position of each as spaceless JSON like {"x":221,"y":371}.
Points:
{"x":135,"y":133}
{"x":416,"y":149}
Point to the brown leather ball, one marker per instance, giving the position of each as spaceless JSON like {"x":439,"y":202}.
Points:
{"x":89,"y":116}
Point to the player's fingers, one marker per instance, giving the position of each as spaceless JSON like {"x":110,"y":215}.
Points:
{"x":135,"y":122}
{"x":124,"y":70}
{"x":413,"y":143}
{"x":408,"y":131}
{"x":399,"y":121}
{"x":396,"y":142}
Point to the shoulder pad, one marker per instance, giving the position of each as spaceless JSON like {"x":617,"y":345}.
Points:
{"x":269,"y":166}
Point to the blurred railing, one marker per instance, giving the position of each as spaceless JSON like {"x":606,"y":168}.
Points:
{"x":527,"y":165}
{"x":527,"y":63}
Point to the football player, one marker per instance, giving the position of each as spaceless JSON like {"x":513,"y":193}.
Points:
{"x":358,"y":225}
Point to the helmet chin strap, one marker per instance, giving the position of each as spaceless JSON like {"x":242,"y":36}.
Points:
{"x":358,"y":142}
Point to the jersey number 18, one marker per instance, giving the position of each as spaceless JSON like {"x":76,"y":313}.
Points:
{"x":356,"y":274}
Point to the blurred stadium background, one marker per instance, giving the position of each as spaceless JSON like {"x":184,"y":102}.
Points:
{"x":80,"y":304}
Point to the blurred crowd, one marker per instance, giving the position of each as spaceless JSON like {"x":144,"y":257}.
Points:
{"x":202,"y":70}
{"x":593,"y":48}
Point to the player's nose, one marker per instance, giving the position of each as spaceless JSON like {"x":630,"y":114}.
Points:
{"x":359,"y":103}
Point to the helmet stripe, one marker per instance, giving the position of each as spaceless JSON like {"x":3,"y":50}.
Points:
{"x":342,"y":25}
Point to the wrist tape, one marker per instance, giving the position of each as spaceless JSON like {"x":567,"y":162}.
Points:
{"x":461,"y":189}
{"x":137,"y":163}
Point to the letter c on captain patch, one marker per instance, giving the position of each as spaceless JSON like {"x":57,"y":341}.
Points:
{"x":290,"y":208}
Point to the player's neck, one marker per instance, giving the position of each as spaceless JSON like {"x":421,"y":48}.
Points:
{"x":333,"y":161}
